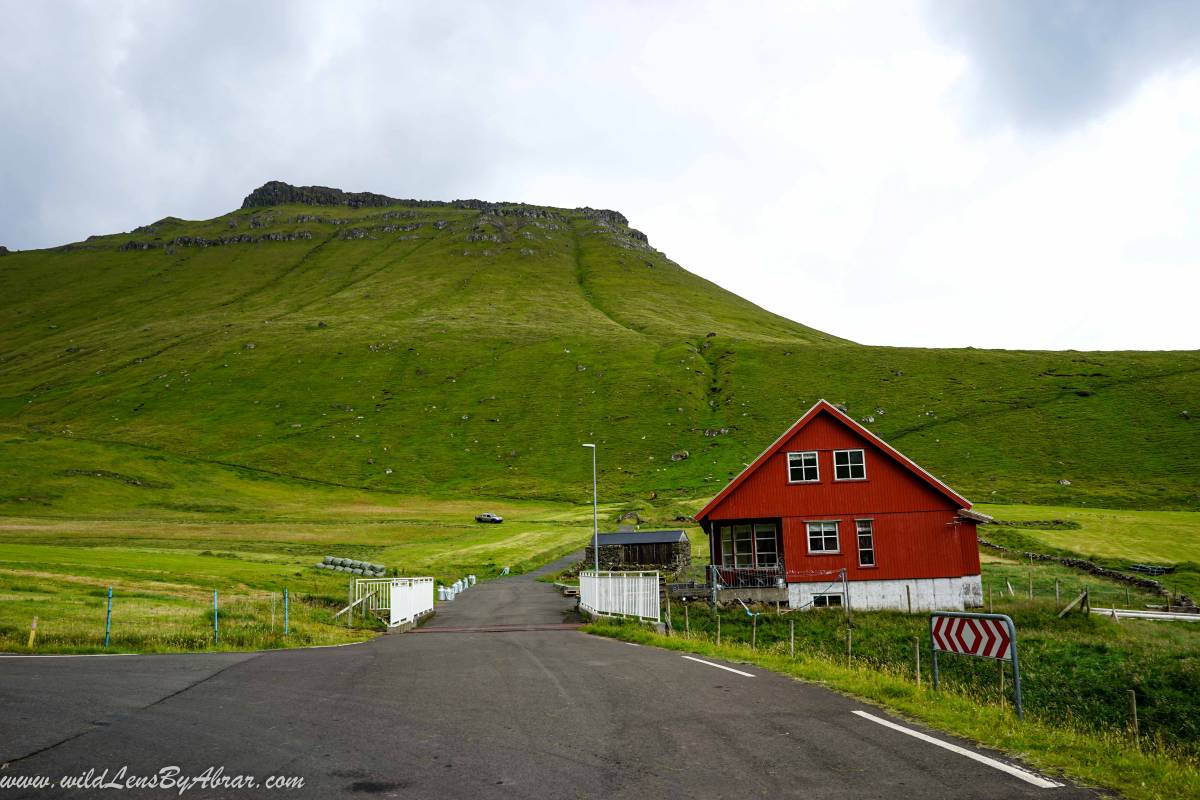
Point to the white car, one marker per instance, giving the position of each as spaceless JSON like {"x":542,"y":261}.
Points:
{"x":488,"y":517}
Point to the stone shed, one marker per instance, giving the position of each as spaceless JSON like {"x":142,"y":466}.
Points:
{"x":666,"y":550}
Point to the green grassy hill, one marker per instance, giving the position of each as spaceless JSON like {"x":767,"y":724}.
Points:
{"x":448,"y":349}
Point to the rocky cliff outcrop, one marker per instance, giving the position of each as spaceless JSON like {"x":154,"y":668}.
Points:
{"x":276,"y":193}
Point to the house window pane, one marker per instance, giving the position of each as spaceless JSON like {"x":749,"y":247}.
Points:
{"x":743,"y":546}
{"x":849,"y":465}
{"x":826,"y":600}
{"x":727,"y":545}
{"x":822,"y":537}
{"x":802,"y":467}
{"x":866,"y":542}
{"x":765,"y":545}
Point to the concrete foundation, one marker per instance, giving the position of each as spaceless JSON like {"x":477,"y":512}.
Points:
{"x":757,"y":594}
{"x":927,"y":594}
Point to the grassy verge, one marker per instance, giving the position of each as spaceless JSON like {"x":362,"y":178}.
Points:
{"x":1058,"y":746}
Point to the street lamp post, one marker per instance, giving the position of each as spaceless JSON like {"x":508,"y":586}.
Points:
{"x":595,"y":512}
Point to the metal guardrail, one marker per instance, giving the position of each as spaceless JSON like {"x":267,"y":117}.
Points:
{"x":1131,"y":613}
{"x":621,"y":594}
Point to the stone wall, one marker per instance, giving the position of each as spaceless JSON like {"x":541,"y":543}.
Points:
{"x":612,"y":557}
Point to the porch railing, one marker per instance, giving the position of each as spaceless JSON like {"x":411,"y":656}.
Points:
{"x":721,"y":577}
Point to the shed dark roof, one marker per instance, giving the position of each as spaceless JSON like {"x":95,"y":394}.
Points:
{"x":643,"y":537}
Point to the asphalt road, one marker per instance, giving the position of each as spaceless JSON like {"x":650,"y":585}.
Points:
{"x":452,"y":712}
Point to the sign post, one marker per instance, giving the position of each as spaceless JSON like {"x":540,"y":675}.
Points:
{"x":981,"y":635}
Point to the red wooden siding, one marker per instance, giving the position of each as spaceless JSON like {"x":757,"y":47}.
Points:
{"x":916,"y":528}
{"x":926,"y":544}
{"x":889,"y":486}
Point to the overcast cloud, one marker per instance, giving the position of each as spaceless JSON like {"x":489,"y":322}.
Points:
{"x":995,"y":174}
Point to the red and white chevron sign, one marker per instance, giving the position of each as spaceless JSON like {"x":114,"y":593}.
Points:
{"x":972,"y":636}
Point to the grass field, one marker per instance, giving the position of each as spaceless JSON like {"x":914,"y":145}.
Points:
{"x":163,"y":569}
{"x":1113,"y":538}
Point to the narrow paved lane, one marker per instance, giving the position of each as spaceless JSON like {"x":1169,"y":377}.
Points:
{"x":555,"y":714}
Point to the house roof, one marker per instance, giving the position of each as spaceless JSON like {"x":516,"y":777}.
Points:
{"x":824,"y":406}
{"x":643,"y":537}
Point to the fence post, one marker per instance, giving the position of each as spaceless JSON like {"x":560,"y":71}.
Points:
{"x":1133,"y":720}
{"x":849,"y":644}
{"x":792,"y":637}
{"x":216,"y":627}
{"x":687,"y":626}
{"x":272,"y":612}
{"x":1030,"y":584}
{"x":908,"y":596}
{"x":285,"y":612}
{"x":108,"y":617}
{"x":846,"y":594}
{"x":1057,"y":599}
{"x":718,"y":627}
{"x":670,"y":619}
{"x":350,"y":602}
{"x":917,"y":659}
{"x":991,"y":605}
{"x":754,"y":632}
{"x":32,"y":632}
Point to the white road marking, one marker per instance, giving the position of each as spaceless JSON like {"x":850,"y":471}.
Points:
{"x":633,"y":644}
{"x":1023,"y":774}
{"x":719,"y":666}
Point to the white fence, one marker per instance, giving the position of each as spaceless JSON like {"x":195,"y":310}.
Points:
{"x":624,"y":594}
{"x":404,"y":599}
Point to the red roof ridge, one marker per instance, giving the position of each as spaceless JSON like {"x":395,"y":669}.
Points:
{"x":825,"y":405}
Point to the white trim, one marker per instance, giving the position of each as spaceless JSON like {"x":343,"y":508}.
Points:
{"x":816,"y":454}
{"x":837,"y":535}
{"x":1017,"y":772}
{"x":718,"y":666}
{"x":849,"y":466}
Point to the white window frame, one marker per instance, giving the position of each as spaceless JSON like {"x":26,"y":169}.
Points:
{"x":849,"y":466}
{"x":815,"y":465}
{"x":826,"y":597}
{"x":837,"y":537}
{"x":858,"y":534}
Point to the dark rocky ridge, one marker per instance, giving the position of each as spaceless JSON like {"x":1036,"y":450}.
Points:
{"x":274,"y":193}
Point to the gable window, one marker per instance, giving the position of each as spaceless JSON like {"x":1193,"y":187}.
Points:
{"x":849,"y":465}
{"x":749,"y":545}
{"x":866,"y":542}
{"x":802,"y":467}
{"x":823,"y":537}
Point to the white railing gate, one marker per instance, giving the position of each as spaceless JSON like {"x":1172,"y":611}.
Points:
{"x":620,"y":594}
{"x":404,"y":599}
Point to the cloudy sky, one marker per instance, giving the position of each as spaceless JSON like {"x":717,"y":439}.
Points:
{"x":1019,"y":174}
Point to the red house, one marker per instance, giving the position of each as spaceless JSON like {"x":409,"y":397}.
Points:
{"x":828,"y":496}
